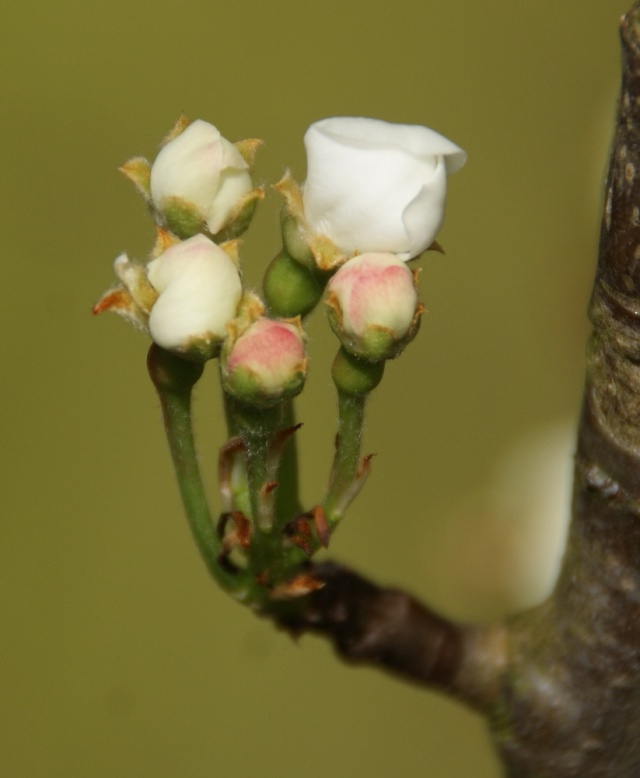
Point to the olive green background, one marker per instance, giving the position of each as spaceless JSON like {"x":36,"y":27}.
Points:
{"x":118,"y":657}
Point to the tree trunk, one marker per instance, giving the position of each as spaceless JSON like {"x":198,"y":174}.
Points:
{"x":560,"y":683}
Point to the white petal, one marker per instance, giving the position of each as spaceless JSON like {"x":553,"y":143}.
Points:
{"x":233,"y":185}
{"x":231,"y":157}
{"x":423,"y":216}
{"x":363,"y":132}
{"x":189,"y":166}
{"x":199,"y":289}
{"x":356,"y":196}
{"x":373,"y":186}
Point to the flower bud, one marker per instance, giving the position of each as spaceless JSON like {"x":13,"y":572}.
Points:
{"x":266,"y":363}
{"x":373,"y":186}
{"x":291,"y":289}
{"x":201,"y":180}
{"x":373,"y":306}
{"x":199,"y":289}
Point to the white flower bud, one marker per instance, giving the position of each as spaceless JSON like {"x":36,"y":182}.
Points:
{"x":199,"y":290}
{"x":373,"y":186}
{"x":266,"y":363}
{"x":202,"y":172}
{"x":373,"y":305}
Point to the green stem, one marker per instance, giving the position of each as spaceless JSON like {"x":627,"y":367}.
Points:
{"x":347,"y":457}
{"x":354,"y":378}
{"x":256,"y":427}
{"x":288,"y":502}
{"x":174,"y":378}
{"x":240,"y":488}
{"x":233,"y":429}
{"x":268,"y":559}
{"x":258,"y":477}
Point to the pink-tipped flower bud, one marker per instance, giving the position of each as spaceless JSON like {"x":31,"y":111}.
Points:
{"x":199,"y":289}
{"x":266,"y":363}
{"x":373,"y":306}
{"x":199,"y":179}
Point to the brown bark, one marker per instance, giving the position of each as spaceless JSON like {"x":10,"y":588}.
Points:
{"x":559,"y":684}
{"x":571,"y":695}
{"x":369,"y":624}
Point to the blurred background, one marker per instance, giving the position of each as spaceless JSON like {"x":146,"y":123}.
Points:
{"x":118,"y":657}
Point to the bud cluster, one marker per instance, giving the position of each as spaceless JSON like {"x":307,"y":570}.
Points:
{"x":373,"y":200}
{"x":188,"y":295}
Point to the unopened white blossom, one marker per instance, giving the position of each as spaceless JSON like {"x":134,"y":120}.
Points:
{"x":374,"y":186}
{"x":202,"y":171}
{"x":199,"y":289}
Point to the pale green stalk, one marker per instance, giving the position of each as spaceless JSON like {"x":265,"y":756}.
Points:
{"x":347,"y":456}
{"x":174,"y":379}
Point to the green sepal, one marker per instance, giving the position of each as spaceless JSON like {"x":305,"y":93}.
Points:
{"x":200,"y":349}
{"x":246,"y":387}
{"x":295,"y":240}
{"x":241,"y":219}
{"x":181,"y":218}
{"x":138,"y":171}
{"x":377,"y":343}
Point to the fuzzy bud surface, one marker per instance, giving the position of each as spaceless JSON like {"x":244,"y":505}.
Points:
{"x":373,"y":305}
{"x":266,"y":363}
{"x":202,"y":173}
{"x":199,"y":289}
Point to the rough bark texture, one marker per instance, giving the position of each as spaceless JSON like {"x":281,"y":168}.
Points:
{"x":389,"y":628}
{"x":571,"y":697}
{"x":559,"y":684}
